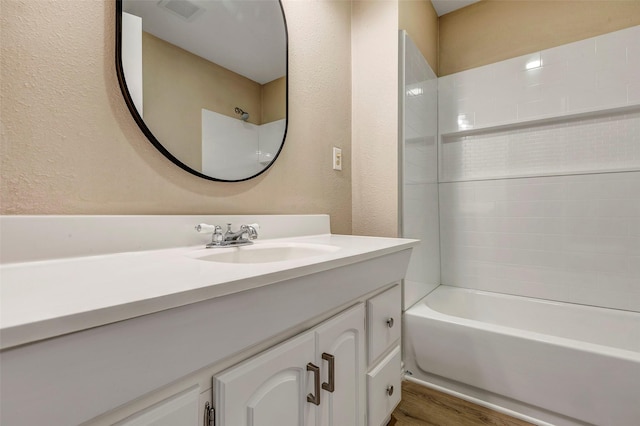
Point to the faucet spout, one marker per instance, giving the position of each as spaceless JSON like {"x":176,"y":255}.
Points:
{"x":234,"y":236}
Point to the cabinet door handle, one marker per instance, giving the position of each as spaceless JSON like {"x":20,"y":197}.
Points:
{"x":390,"y":322}
{"x":332,"y":372}
{"x":316,"y":384}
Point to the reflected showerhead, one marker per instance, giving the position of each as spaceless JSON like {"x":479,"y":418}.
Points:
{"x":244,"y":116}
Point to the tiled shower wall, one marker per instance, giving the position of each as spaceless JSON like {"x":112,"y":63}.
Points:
{"x":577,"y":145}
{"x":540,"y":174}
{"x":589,"y":75}
{"x":419,"y":105}
{"x":568,"y":238}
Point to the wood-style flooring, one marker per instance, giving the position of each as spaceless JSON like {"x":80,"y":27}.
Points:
{"x":421,"y":406}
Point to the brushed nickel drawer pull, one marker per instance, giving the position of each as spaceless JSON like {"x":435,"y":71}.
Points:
{"x":390,"y":322}
{"x":316,"y":384}
{"x":390,"y":390}
{"x":330,"y":387}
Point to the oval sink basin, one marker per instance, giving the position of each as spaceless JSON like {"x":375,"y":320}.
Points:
{"x":264,"y":253}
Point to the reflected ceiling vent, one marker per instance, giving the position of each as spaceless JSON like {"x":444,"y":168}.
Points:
{"x":184,"y":9}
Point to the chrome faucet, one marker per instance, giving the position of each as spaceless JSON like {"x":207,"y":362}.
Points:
{"x":234,"y":236}
{"x":241,"y":237}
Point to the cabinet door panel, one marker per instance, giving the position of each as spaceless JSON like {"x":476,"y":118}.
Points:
{"x":343,"y":337}
{"x":263,"y":409}
{"x":270,"y":389}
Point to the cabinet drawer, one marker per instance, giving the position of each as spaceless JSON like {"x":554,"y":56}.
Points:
{"x":384,"y":318}
{"x":384,"y":388}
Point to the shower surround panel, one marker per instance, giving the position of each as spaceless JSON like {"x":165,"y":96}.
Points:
{"x":567,"y":238}
{"x":540,"y":174}
{"x":570,"y":109}
{"x":419,"y":105}
{"x":589,"y":75}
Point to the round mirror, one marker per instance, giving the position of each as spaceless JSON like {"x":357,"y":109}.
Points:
{"x":206,"y":81}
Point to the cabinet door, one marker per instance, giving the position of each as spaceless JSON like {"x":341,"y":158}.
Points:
{"x":270,"y":389}
{"x":343,"y":339}
{"x":180,"y":409}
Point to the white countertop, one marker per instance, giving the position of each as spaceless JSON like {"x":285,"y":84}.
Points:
{"x":43,"y":299}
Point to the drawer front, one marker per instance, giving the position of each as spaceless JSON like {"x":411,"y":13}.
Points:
{"x":384,"y":321}
{"x":384,"y":388}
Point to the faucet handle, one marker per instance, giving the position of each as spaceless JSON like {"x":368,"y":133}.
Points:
{"x":205,"y":228}
{"x":252,"y":230}
{"x":217,"y":238}
{"x":216,"y":230}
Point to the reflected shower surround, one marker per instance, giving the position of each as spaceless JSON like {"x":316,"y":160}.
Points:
{"x":244,"y":116}
{"x":233,"y":149}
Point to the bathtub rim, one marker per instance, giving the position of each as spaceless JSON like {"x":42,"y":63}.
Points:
{"x":423,"y":310}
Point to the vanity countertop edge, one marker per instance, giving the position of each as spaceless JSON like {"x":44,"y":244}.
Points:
{"x":49,"y":298}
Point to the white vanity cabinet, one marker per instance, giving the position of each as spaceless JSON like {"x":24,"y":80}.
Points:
{"x":130,"y":331}
{"x":314,"y":379}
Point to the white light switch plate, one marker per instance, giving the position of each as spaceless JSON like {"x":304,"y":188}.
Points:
{"x":337,"y":158}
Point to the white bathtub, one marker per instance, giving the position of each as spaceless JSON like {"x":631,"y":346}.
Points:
{"x":559,"y":362}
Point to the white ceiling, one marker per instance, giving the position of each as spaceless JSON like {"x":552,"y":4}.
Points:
{"x":247,"y":37}
{"x":445,"y":6}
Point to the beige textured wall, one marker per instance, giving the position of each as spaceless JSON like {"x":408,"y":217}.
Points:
{"x":374,"y":39}
{"x":274,"y":105}
{"x":70,"y":146}
{"x":178,"y":84}
{"x":420,"y":20}
{"x":495,"y":30}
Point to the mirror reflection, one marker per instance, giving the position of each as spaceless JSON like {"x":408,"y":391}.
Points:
{"x":206,"y":81}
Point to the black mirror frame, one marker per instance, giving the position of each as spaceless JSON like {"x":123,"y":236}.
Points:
{"x":147,"y":132}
